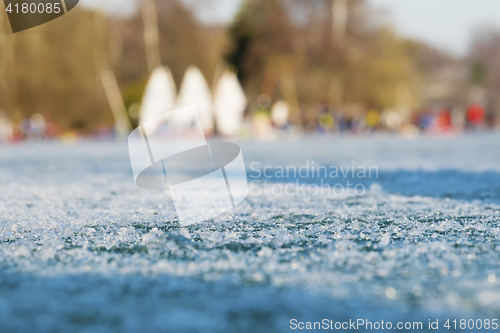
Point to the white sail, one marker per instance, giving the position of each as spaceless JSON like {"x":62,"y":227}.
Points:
{"x":159,"y":96}
{"x":195,"y":90}
{"x":280,"y":113}
{"x":230,"y":103}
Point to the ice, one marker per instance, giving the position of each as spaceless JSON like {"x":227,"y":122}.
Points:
{"x":83,"y":249}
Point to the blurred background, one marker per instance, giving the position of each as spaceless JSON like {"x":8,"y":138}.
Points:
{"x":327,"y":66}
{"x":314,"y":85}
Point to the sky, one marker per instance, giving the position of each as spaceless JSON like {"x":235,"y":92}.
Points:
{"x":120,"y":7}
{"x":448,"y":24}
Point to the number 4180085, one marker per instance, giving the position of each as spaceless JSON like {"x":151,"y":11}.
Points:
{"x":471,"y":324}
{"x":33,"y":8}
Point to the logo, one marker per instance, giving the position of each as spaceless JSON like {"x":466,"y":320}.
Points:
{"x":27,"y":14}
{"x":170,"y":151}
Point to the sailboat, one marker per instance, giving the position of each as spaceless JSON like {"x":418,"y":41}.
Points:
{"x":159,"y":96}
{"x":230,"y":103}
{"x":195,"y":90}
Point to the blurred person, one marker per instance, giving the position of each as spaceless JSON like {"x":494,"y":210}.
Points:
{"x":458,"y":117}
{"x":345,"y":122}
{"x":372,"y":119}
{"x":6,"y":129}
{"x":475,"y":116}
{"x":415,"y":118}
{"x":358,"y":124}
{"x":326,"y":121}
{"x":490,"y":115}
{"x":24,"y":128}
{"x":443,"y":121}
{"x":51,"y":129}
{"x":426,"y":120}
{"x":33,"y":128}
{"x":37,"y":127}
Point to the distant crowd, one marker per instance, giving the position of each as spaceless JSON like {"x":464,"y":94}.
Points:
{"x":265,"y":124}
{"x":430,"y":120}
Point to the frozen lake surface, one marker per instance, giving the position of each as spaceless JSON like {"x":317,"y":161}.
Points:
{"x":83,"y":249}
